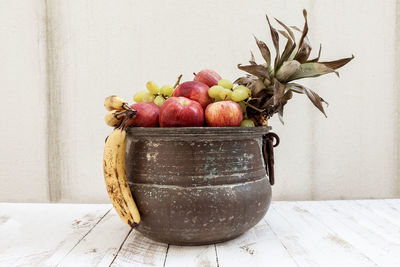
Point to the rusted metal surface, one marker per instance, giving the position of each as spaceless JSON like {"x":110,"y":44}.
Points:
{"x":198,"y":185}
{"x":268,"y":153}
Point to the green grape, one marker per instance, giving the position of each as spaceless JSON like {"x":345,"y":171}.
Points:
{"x":138,"y":97}
{"x":214,"y":91}
{"x":152,"y":87}
{"x":147,"y":97}
{"x":167,"y":90}
{"x":243,"y":106}
{"x":247,"y":123}
{"x":225,"y":94}
{"x":240,"y":94}
{"x":225,"y":83}
{"x":159,"y":100}
{"x":242,"y":87}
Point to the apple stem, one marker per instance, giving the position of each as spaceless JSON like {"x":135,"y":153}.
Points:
{"x":178,"y":81}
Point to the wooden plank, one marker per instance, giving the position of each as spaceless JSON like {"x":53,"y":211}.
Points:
{"x":42,"y":234}
{"x":375,"y":224}
{"x":183,"y":256}
{"x":394,"y":204}
{"x":140,"y":251}
{"x":101,"y":245}
{"x":363,"y":240}
{"x":257,"y":247}
{"x":319,"y":245}
{"x":382,"y":209}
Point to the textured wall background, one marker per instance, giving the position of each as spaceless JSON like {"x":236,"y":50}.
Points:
{"x":61,"y":58}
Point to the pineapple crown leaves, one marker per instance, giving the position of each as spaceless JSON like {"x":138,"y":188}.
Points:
{"x":272,"y":82}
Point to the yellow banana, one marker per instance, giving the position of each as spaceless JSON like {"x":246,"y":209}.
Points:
{"x":115,"y":174}
{"x":115,"y":103}
{"x":114,"y":118}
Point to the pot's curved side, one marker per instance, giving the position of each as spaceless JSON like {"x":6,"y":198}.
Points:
{"x":196,"y":187}
{"x":198,"y":216}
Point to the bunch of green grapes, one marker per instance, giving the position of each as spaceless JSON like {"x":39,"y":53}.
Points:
{"x":225,"y":91}
{"x":154,"y":93}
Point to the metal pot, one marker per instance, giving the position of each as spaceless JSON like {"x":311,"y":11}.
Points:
{"x":196,"y":186}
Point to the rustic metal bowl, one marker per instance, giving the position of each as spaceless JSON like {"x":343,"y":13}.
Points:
{"x":196,"y":186}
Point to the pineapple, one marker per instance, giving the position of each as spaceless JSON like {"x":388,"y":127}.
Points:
{"x":272,"y":83}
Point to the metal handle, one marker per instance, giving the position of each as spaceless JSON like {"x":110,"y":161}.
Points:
{"x":268,"y":153}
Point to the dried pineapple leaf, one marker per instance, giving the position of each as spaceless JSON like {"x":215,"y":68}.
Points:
{"x":287,"y":29}
{"x":275,"y":40}
{"x":288,"y":95}
{"x":313,"y":96}
{"x":338,"y":63}
{"x":296,"y":28}
{"x":256,"y":86}
{"x":257,"y":70}
{"x":266,"y":54}
{"x":279,"y":91}
{"x":252,"y":60}
{"x":304,"y":45}
{"x":319,"y":55}
{"x":243,"y":80}
{"x":290,"y":46}
{"x":311,"y":69}
{"x":304,"y":51}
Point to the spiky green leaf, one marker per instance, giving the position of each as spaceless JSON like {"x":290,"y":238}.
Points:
{"x":311,"y":69}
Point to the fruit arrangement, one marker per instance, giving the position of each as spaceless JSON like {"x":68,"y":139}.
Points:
{"x":212,"y":101}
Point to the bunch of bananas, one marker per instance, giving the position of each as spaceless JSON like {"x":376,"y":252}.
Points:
{"x":114,"y":160}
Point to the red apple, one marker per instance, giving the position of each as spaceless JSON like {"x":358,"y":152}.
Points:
{"x":146,"y":116}
{"x":224,"y":114}
{"x":181,"y":112}
{"x":208,"y":77}
{"x":194,"y":90}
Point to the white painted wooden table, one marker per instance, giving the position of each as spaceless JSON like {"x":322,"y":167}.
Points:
{"x":320,"y":233}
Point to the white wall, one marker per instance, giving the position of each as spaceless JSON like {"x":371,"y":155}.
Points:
{"x":64,"y":57}
{"x":23,"y":135}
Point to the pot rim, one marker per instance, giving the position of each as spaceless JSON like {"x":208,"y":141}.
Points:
{"x":198,"y":131}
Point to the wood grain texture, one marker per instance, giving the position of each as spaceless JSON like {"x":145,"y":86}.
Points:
{"x":256,"y":247}
{"x":196,"y":256}
{"x":141,"y":251}
{"x":319,"y":233}
{"x":42,"y":234}
{"x":326,"y":247}
{"x":101,"y":245}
